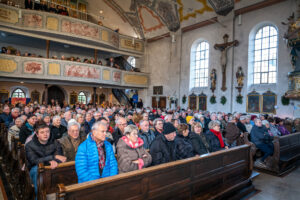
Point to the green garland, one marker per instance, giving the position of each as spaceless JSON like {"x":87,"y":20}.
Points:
{"x":212,"y":99}
{"x":183,"y":99}
{"x":239,"y":99}
{"x":285,"y":101}
{"x":223,"y":100}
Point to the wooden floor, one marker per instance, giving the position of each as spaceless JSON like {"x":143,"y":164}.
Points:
{"x":277,"y":188}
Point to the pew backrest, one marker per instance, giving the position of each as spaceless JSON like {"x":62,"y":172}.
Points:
{"x":49,"y":178}
{"x":201,"y":177}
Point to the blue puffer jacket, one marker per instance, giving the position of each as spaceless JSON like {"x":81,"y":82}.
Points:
{"x":87,"y":161}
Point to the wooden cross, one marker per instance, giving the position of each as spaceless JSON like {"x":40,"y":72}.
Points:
{"x":224,"y":48}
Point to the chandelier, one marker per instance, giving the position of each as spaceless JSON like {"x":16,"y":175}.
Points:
{"x":222,"y":7}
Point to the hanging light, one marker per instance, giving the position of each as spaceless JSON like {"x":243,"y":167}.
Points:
{"x":222,"y":7}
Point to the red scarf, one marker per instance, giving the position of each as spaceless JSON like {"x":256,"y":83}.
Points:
{"x":134,"y":145}
{"x":219,"y":136}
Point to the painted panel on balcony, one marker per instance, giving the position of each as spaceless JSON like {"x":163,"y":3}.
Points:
{"x":114,"y":39}
{"x":130,"y":44}
{"x":7,"y":65}
{"x":54,"y":69}
{"x":33,"y":67}
{"x":52,"y":23}
{"x":106,"y":75}
{"x":79,"y":29}
{"x":9,"y":16}
{"x":105,"y":35}
{"x":117,"y":77}
{"x":33,"y":20}
{"x":135,"y":79}
{"x":82,"y":71}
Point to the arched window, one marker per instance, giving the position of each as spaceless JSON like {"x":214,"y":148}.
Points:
{"x":81,"y":98}
{"x":265,"y":55}
{"x":131,"y":61}
{"x":18,"y":93}
{"x":199,"y":65}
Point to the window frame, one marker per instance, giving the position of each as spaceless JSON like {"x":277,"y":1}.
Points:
{"x":79,"y":97}
{"x":15,"y":91}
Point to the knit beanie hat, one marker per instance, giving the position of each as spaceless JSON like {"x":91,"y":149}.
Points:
{"x":168,"y":128}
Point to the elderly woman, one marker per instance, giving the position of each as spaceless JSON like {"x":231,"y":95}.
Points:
{"x":267,"y":126}
{"x":232,"y":132}
{"x":15,"y":130}
{"x":56,"y":129}
{"x":198,"y":130}
{"x":281,"y":127}
{"x":198,"y":140}
{"x":273,"y":128}
{"x":261,"y":138}
{"x":131,"y":153}
{"x":214,"y":136}
{"x":184,"y":147}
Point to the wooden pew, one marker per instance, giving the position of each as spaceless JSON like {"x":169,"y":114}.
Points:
{"x":49,"y":178}
{"x":285,"y":157}
{"x":219,"y":175}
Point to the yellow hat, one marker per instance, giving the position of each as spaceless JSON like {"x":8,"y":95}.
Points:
{"x":188,"y":118}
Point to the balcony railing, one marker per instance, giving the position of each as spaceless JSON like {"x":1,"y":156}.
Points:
{"x":35,"y":23}
{"x":20,"y":67}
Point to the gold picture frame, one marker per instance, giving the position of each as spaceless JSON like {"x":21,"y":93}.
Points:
{"x":253,"y":102}
{"x":268,"y":102}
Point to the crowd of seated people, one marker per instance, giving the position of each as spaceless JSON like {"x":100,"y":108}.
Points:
{"x":110,"y":63}
{"x":105,"y":141}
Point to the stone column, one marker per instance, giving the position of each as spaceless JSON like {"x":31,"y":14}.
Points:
{"x":46,"y":94}
{"x":95,"y":97}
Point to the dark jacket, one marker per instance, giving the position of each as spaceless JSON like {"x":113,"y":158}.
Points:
{"x":87,"y":128}
{"x":213,"y":141}
{"x":147,"y":137}
{"x":64,"y":122}
{"x":184,"y":147}
{"x":57,"y":133}
{"x":182,"y":120}
{"x":117,"y":134}
{"x":231,"y":133}
{"x":28,"y":4}
{"x":68,"y":149}
{"x":41,"y":153}
{"x":156,"y":133}
{"x":25,"y":132}
{"x":162,"y":151}
{"x":260,"y":135}
{"x":6,"y":119}
{"x":197,"y":143}
{"x":242,"y":127}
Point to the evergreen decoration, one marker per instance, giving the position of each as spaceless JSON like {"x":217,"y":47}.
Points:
{"x":223,"y":100}
{"x":239,"y":99}
{"x":285,"y":101}
{"x":212,"y":99}
{"x":183,"y":99}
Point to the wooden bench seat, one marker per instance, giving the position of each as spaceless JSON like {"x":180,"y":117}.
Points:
{"x":219,"y":175}
{"x":49,"y":178}
{"x":285,"y":157}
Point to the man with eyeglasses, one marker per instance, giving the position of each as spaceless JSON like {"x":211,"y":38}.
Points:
{"x":119,"y":131}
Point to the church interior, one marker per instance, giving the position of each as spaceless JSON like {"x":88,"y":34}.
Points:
{"x":149,"y":99}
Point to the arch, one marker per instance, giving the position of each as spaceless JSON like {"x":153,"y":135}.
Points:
{"x":199,"y":64}
{"x":57,"y":93}
{"x":82,"y":97}
{"x":18,"y":93}
{"x":263,"y":54}
{"x":23,"y":88}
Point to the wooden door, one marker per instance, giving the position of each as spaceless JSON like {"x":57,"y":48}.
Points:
{"x":202,"y":102}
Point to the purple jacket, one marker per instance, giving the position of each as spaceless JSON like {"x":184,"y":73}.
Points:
{"x":283,"y":130}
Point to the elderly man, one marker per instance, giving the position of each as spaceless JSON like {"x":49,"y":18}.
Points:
{"x":56,"y":129}
{"x":262,"y":140}
{"x":42,"y":150}
{"x":146,"y":134}
{"x":67,"y":117}
{"x":163,"y":147}
{"x":119,"y":131}
{"x":158,"y":126}
{"x":71,"y":142}
{"x":95,"y":157}
{"x":241,"y":124}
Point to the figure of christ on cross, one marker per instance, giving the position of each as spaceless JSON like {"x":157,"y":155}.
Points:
{"x":224,"y":48}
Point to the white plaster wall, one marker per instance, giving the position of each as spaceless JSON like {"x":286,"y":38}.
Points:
{"x":165,"y":66}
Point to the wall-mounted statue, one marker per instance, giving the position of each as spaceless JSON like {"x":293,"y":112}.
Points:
{"x":240,"y":77}
{"x":224,"y":48}
{"x":213,"y":80}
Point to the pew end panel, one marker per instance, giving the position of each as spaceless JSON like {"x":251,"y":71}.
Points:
{"x":212,"y":176}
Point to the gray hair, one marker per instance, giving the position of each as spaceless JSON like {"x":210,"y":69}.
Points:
{"x":243,"y":117}
{"x":265,"y":122}
{"x":231,"y":118}
{"x":142,"y":121}
{"x":73,"y":122}
{"x":56,"y":117}
{"x":129,"y":129}
{"x":256,"y":119}
{"x":157,"y":120}
{"x":14,"y":109}
{"x":21,"y":119}
{"x":97,"y":112}
{"x":97,"y":124}
{"x":78,"y":115}
{"x":118,"y":121}
{"x":213,"y":123}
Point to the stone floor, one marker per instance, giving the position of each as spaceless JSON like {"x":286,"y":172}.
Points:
{"x":278,"y":188}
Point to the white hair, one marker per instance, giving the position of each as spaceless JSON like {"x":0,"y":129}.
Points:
{"x":97,"y":124}
{"x":14,"y":109}
{"x":73,"y":122}
{"x":130,"y":128}
{"x":56,"y":117}
{"x":264,"y":122}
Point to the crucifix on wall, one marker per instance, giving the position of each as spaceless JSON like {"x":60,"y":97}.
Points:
{"x":224,"y":48}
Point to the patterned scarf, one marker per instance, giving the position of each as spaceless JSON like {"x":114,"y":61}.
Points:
{"x":131,"y":144}
{"x":100,"y":153}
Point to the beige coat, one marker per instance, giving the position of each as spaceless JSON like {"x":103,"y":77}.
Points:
{"x":127,"y":154}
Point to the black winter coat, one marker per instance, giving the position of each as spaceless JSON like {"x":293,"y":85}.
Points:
{"x":57,"y":133}
{"x":41,"y":153}
{"x":117,"y":134}
{"x":198,"y":144}
{"x":213,"y":141}
{"x":25,"y":132}
{"x":184,"y":148}
{"x":162,"y":150}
